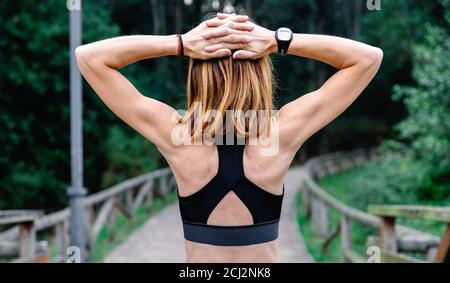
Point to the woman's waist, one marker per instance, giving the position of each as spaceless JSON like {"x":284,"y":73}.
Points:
{"x":259,"y":253}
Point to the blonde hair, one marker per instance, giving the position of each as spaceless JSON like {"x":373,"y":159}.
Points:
{"x":228,"y":84}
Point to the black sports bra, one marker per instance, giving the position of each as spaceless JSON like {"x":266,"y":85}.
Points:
{"x":264,"y":207}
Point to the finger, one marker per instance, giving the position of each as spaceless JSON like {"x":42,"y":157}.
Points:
{"x":224,"y":31}
{"x":214,"y":23}
{"x":234,"y":25}
{"x":239,"y":18}
{"x":244,"y":54}
{"x":215,"y":47}
{"x":231,"y":38}
{"x":220,"y":53}
{"x":233,"y":17}
{"x":241,"y":26}
{"x":217,"y":32}
{"x":223,"y":15}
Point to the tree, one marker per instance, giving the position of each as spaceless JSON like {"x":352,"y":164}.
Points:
{"x":34,"y":100}
{"x":426,"y":131}
{"x":416,"y":166}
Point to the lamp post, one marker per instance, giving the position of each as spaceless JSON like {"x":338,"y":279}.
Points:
{"x":76,"y":191}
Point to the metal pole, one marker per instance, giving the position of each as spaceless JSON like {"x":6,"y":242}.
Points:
{"x":76,"y":191}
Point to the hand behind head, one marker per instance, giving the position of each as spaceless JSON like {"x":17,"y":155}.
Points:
{"x":219,"y":36}
{"x":229,"y":30}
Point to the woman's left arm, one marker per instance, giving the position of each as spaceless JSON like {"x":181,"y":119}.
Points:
{"x":99,"y":63}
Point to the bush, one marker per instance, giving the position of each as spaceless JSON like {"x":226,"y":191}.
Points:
{"x":417,"y":164}
{"x":396,"y":179}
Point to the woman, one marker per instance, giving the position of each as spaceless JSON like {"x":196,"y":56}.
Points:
{"x":230,"y":194}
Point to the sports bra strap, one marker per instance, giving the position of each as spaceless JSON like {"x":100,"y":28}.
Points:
{"x":231,"y":166}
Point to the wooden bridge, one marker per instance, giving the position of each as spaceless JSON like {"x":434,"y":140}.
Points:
{"x":161,"y":239}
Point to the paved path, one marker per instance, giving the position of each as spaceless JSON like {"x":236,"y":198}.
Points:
{"x":161,"y":238}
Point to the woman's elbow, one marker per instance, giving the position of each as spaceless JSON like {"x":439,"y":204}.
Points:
{"x":81,"y":54}
{"x":85,"y":57}
{"x":373,"y":57}
{"x":377,"y":55}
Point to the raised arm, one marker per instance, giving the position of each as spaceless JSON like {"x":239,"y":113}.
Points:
{"x":99,"y":63}
{"x":357,"y":64}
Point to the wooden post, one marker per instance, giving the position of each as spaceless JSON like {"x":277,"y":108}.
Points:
{"x":387,"y":233}
{"x":102,"y":217}
{"x":149,"y":200}
{"x":332,"y":167}
{"x":443,"y":253}
{"x":111,"y":223}
{"x":314,"y":214}
{"x":431,"y":254}
{"x":320,"y":218}
{"x":306,"y":201}
{"x":163,"y":188}
{"x":346,"y":232}
{"x":89,"y":222}
{"x":346,"y":236}
{"x":27,"y":239}
{"x":172,"y":184}
{"x":61,"y":239}
{"x":319,"y":172}
{"x":141,"y":194}
{"x":129,"y":202}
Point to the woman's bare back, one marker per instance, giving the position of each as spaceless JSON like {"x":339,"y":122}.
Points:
{"x":195,"y":165}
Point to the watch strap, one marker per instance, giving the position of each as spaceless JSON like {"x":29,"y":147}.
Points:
{"x":283,"y":47}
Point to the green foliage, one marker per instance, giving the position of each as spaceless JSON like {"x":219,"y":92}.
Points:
{"x":395,"y":179}
{"x":416,"y":165}
{"x":424,"y":136}
{"x":34,"y":100}
{"x":128,"y":155}
{"x":427,"y":127}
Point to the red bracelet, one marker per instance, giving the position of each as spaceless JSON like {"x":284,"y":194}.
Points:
{"x":180,"y":45}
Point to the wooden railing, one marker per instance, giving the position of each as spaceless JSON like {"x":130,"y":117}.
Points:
{"x":388,"y":242}
{"x":317,"y":203}
{"x":102,"y":209}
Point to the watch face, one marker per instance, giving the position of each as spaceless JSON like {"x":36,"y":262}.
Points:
{"x":284,"y":34}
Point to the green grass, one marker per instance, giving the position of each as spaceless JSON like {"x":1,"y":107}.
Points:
{"x":333,"y":252}
{"x":339,"y":186}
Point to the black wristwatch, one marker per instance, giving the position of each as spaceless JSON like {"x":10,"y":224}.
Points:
{"x":284,"y":37}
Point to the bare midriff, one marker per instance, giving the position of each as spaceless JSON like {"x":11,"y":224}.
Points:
{"x":259,"y":253}
{"x":231,"y":212}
